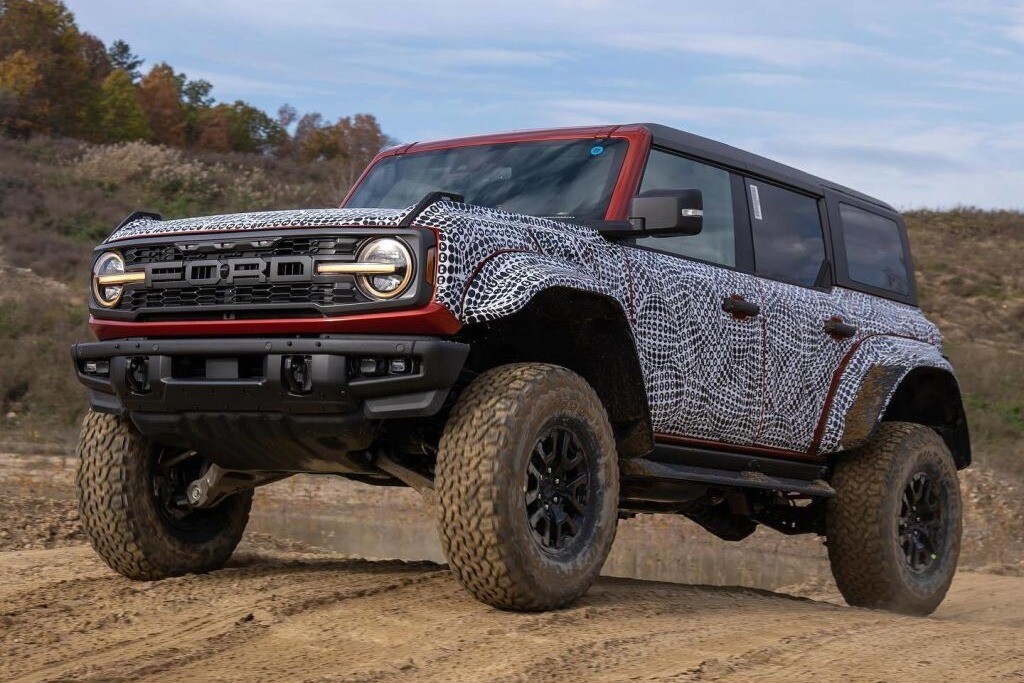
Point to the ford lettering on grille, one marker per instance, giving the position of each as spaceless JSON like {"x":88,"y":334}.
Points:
{"x":231,"y":271}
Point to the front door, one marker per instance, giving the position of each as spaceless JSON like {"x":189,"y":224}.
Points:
{"x":696,"y":314}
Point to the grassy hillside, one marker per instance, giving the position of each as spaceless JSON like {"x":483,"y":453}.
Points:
{"x":57,"y":198}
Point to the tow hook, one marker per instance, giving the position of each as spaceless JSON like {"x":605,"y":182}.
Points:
{"x":298,"y":374}
{"x":136,"y":374}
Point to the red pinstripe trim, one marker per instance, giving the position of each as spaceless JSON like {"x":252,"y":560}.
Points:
{"x":479,"y":266}
{"x":837,"y":376}
{"x":629,"y":283}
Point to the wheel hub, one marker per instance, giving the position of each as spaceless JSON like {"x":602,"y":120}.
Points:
{"x":921,"y":527}
{"x":173,"y":473}
{"x":557,"y":490}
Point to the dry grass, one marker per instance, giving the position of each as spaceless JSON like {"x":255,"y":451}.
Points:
{"x":58,"y":198}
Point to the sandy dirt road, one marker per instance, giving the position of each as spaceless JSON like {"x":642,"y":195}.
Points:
{"x":279,"y":614}
{"x":283,"y":611}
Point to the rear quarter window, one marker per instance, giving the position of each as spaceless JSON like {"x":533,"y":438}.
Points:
{"x":875,"y":254}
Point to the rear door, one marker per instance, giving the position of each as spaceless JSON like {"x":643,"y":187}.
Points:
{"x":798,"y":310}
{"x":702,"y":362}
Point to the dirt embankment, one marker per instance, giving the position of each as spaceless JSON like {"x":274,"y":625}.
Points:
{"x":285,"y":611}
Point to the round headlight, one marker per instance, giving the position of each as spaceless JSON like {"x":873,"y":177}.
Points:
{"x":109,"y":263}
{"x":386,"y":251}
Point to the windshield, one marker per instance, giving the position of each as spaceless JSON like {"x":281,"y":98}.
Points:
{"x":557,"y":179}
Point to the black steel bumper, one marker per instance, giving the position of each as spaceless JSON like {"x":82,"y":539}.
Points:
{"x":377,"y":376}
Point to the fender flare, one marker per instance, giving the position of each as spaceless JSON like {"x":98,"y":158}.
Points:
{"x":914,"y":387}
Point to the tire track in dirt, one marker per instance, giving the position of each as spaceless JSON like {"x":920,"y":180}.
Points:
{"x":278,"y":615}
{"x":81,"y":627}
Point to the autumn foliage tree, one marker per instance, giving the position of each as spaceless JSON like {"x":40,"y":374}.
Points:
{"x":58,"y":80}
{"x":44,"y":69}
{"x":159,"y":95}
{"x":123,"y":118}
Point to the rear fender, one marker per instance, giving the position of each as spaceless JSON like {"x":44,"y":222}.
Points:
{"x":895,"y":378}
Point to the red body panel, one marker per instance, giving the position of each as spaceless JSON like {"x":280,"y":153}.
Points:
{"x":430,"y":319}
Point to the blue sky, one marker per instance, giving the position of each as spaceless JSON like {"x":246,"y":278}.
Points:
{"x":919,"y":103}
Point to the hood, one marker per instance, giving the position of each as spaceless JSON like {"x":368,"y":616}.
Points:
{"x":146,"y":226}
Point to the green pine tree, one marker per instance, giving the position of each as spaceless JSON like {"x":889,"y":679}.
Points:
{"x":122,"y":115}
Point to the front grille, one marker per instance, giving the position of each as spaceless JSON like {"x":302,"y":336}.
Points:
{"x":178,"y":271}
{"x":241,"y":295}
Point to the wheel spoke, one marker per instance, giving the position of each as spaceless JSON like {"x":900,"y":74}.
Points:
{"x":579,"y":481}
{"x":545,"y":456}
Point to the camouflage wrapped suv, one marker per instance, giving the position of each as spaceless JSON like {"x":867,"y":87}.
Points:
{"x":543,"y":332}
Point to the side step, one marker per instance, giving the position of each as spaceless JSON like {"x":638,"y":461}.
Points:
{"x":641,"y":470}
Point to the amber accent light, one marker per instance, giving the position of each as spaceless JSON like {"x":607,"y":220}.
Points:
{"x":431,"y":274}
{"x":120,"y":279}
{"x":329,"y":268}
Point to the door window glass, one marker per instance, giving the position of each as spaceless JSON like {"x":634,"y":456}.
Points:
{"x":788,"y":242}
{"x":716,"y":241}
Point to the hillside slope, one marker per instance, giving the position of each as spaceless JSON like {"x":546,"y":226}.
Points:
{"x":58,"y":198}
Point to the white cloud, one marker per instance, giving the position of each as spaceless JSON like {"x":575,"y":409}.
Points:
{"x":481,"y":57}
{"x":773,"y":50}
{"x":757,"y":79}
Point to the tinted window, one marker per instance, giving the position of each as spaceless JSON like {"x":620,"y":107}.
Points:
{"x":561,"y":178}
{"x":788,"y":244}
{"x":717,"y":239}
{"x":874,"y":250}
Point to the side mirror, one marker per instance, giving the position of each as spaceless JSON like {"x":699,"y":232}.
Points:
{"x":668,"y":212}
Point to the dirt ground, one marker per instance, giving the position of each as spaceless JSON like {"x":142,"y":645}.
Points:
{"x":285,"y":611}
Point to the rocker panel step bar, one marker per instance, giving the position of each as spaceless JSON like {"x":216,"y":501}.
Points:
{"x":642,"y":469}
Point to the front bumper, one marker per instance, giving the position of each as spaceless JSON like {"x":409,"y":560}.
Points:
{"x":379,"y":376}
{"x":271,"y":404}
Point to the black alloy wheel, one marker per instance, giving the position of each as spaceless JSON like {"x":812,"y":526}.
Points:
{"x":921,"y":527}
{"x":558,"y":501}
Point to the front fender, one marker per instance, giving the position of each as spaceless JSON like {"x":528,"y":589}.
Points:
{"x":491,"y":263}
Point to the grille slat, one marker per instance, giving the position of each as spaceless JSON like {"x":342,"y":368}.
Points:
{"x":170,"y":292}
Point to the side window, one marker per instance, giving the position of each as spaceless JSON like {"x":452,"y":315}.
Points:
{"x":874,"y":250}
{"x":788,"y":242}
{"x":717,"y":239}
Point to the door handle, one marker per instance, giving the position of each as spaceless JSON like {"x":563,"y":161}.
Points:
{"x":739,"y":308}
{"x":837,"y":329}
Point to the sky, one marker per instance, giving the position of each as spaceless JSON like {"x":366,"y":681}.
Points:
{"x":920,"y":103}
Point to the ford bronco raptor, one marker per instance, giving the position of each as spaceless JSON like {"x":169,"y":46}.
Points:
{"x":543,"y":332}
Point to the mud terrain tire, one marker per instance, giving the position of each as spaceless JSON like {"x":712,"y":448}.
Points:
{"x":867,"y":541}
{"x":122,"y":516}
{"x":505,"y":425}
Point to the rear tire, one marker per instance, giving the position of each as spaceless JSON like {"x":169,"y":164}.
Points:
{"x":527,"y":487}
{"x":126,"y":492}
{"x":894,"y":526}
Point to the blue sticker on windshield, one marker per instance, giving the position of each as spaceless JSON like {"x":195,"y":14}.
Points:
{"x":596,"y":150}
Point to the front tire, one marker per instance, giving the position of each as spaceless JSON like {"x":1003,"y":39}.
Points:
{"x":131,"y":503}
{"x":894,"y":526}
{"x":527,"y":487}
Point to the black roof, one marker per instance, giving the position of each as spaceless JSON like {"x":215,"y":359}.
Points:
{"x":747,"y":162}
